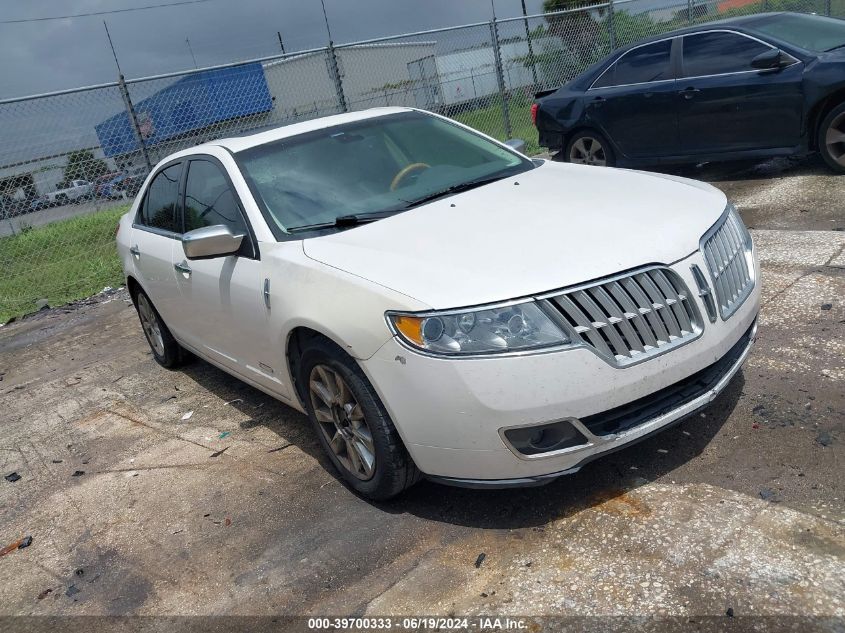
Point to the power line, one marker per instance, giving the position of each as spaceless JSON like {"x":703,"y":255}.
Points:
{"x":107,"y":12}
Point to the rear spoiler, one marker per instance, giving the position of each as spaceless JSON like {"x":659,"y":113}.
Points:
{"x":543,"y":93}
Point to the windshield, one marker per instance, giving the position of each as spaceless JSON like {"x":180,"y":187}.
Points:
{"x":810,"y":32}
{"x":376,"y":166}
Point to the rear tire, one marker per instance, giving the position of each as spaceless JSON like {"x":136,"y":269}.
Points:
{"x":831,"y":139}
{"x":589,"y":148}
{"x":166,"y":351}
{"x":352,"y":425}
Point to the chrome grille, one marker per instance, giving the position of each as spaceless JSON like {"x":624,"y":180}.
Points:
{"x":633,"y":317}
{"x":726,"y":251}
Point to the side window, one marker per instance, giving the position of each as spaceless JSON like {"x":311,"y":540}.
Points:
{"x":651,"y":62}
{"x":210,"y":200}
{"x":159,"y":209}
{"x":717,"y":53}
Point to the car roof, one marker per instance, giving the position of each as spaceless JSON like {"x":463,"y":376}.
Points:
{"x":260,"y":136}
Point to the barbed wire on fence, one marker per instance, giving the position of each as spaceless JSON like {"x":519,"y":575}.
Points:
{"x":71,"y":161}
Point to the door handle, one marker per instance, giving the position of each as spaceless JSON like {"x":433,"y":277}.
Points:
{"x":135,"y":250}
{"x":689,"y":93}
{"x":183,"y":268}
{"x":598,"y":101}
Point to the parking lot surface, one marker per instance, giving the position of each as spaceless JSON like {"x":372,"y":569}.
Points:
{"x":154,"y":492}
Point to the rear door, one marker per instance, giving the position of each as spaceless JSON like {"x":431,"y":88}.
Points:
{"x":222,"y":309}
{"x":634,"y":102}
{"x":725,"y":105}
{"x":155,"y":232}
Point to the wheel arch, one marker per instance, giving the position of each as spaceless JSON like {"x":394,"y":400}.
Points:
{"x":134,"y":288}
{"x":297,"y":341}
{"x":819,"y":111}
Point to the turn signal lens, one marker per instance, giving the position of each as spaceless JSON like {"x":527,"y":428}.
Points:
{"x":410,"y":327}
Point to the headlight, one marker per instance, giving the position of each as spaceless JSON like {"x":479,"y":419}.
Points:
{"x":522,"y":326}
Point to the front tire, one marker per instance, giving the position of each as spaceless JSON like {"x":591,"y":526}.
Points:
{"x":352,"y":425}
{"x":166,"y":351}
{"x":831,"y":139}
{"x":589,"y":148}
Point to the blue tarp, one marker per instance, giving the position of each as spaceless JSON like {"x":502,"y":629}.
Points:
{"x":191,"y":103}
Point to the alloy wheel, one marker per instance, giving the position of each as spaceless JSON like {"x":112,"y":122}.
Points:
{"x":149,"y":322}
{"x":587,"y":151}
{"x":341,"y":421}
{"x":835,"y":139}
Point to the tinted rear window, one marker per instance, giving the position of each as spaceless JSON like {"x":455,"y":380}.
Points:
{"x":640,"y":65}
{"x":810,"y":32}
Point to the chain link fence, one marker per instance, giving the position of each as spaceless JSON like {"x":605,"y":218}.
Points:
{"x":72,"y":161}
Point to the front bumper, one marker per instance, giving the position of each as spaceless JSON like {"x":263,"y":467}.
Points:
{"x":451,"y":413}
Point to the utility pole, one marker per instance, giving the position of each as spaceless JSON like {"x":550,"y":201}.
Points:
{"x":281,"y":43}
{"x":130,"y":108}
{"x":191,"y":50}
{"x":111,"y":44}
{"x":334,"y":68}
{"x":326,"y":18}
{"x":530,"y":46}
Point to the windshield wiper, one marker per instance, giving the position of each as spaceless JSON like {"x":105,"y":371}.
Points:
{"x":838,"y":46}
{"x":353,"y":219}
{"x":458,"y":188}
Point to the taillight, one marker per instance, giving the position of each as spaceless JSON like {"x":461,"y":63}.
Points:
{"x":534,"y":108}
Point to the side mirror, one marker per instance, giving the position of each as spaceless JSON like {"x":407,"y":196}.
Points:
{"x":210,"y":241}
{"x":516,"y":144}
{"x":770,"y":60}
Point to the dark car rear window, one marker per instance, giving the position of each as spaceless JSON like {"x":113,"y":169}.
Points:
{"x":639,"y":65}
{"x":810,"y":32}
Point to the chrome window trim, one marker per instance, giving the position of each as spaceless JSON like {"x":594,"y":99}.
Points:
{"x":156,"y":231}
{"x":682,"y":36}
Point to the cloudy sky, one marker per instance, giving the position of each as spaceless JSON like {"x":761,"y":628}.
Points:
{"x":41,"y":56}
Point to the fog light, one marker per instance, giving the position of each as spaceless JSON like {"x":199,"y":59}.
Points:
{"x":545,"y":438}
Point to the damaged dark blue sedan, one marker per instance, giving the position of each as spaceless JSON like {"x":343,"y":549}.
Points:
{"x":771,"y":84}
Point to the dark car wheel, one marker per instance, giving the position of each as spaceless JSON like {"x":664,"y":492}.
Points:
{"x":166,"y":351}
{"x":589,"y":148}
{"x":832,"y":138}
{"x":352,"y":425}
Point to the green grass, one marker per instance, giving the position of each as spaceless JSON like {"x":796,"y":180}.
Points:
{"x":490,"y":121}
{"x":60,"y":262}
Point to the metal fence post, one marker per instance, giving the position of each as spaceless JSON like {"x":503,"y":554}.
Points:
{"x":827,"y":7}
{"x":689,"y":12}
{"x":133,"y":121}
{"x":500,"y":76}
{"x":611,"y":26}
{"x":338,"y":82}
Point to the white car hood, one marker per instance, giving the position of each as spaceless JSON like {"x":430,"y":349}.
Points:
{"x":561,"y":225}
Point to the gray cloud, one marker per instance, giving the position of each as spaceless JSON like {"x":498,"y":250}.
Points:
{"x":45,"y":56}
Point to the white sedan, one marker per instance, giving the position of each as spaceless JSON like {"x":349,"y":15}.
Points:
{"x":438,"y":304}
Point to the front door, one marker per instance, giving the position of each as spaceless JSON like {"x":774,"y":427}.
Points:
{"x":726,"y":106}
{"x":155,"y":233}
{"x":634,"y":102}
{"x":222,"y":309}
